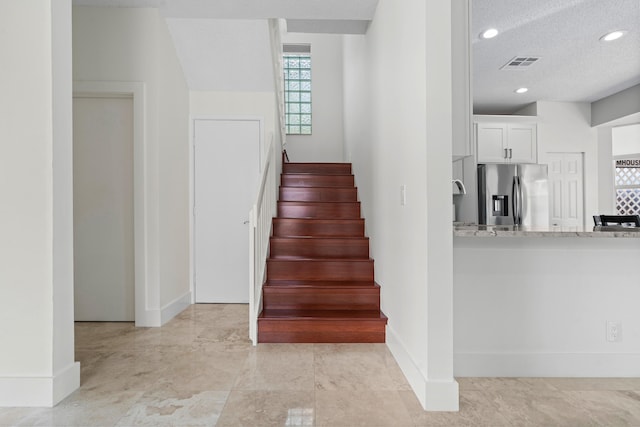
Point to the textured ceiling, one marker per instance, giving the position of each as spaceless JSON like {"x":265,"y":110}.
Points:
{"x":574,"y":66}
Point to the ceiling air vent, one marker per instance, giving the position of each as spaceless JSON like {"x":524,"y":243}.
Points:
{"x":520,"y":63}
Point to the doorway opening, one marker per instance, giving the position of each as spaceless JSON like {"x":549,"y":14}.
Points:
{"x":109,"y":203}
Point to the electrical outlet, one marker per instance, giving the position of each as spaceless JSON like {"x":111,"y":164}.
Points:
{"x":614,"y":331}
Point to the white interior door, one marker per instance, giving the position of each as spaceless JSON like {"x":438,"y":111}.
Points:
{"x":103,"y":209}
{"x":226,"y":168}
{"x":566,"y":189}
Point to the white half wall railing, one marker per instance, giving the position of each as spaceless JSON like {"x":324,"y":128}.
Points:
{"x":260,"y":220}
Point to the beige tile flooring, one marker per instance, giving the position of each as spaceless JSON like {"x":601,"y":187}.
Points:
{"x":200,"y":370}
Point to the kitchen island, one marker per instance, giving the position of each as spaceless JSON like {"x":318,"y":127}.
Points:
{"x":540,"y":302}
{"x":473,"y":230}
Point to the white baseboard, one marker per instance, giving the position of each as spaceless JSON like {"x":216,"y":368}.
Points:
{"x":175,"y":307}
{"x":39,"y":391}
{"x":546,"y":365}
{"x":149,"y":318}
{"x":152,"y":318}
{"x":433,"y":395}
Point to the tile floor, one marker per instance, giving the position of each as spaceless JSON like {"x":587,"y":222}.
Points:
{"x":200,"y":370}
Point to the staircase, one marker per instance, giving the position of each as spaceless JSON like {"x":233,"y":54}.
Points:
{"x":320,"y":285}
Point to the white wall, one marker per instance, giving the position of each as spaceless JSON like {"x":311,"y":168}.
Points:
{"x":565,"y":127}
{"x":398,"y":132}
{"x":257,"y":104}
{"x":626,"y":140}
{"x":606,"y":194}
{"x":36,"y":297}
{"x":622,"y":104}
{"x":224,"y":55}
{"x":173,"y":174}
{"x":63,"y":329}
{"x":134,"y":45}
{"x":326,"y":142}
{"x":539,"y":306}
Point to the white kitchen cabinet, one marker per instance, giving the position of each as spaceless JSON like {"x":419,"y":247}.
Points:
{"x":506,"y":142}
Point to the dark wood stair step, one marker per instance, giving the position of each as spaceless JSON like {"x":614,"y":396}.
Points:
{"x":319,"y":282}
{"x":319,"y":194}
{"x":320,"y":269}
{"x":321,"y":326}
{"x":314,"y":180}
{"x":318,"y":227}
{"x":321,"y":247}
{"x":333,"y":210}
{"x":351,"y":296}
{"x":318,"y":168}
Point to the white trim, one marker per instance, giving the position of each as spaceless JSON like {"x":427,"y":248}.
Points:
{"x":433,"y":395}
{"x":149,"y":318}
{"x":39,"y":391}
{"x":140,"y":193}
{"x":175,"y":307}
{"x":605,"y":365}
{"x":192,"y":213}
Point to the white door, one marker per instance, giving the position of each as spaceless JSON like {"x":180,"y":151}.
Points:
{"x":226,"y":168}
{"x":566,"y":189}
{"x":103,"y":209}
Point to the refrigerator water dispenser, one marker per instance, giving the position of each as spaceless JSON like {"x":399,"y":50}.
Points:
{"x":500,"y":205}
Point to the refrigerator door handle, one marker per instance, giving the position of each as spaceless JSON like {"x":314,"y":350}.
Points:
{"x":518,"y":212}
{"x":514,"y":201}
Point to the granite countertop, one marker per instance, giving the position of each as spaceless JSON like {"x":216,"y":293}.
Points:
{"x":474,"y":230}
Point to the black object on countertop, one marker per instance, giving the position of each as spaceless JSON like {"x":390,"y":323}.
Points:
{"x":622,"y":220}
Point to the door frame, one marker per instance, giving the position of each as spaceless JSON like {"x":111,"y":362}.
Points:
{"x":136,"y":90}
{"x":192,"y":170}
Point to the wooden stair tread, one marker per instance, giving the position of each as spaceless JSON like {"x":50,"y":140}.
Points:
{"x":323,"y":168}
{"x":322,"y":283}
{"x":306,"y":258}
{"x":314,"y":237}
{"x":314,"y":202}
{"x":318,"y":194}
{"x":328,"y":221}
{"x":320,"y":187}
{"x":323,"y":314}
{"x":319,"y":227}
{"x":294,"y":258}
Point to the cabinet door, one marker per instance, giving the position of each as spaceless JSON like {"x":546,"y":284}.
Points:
{"x":522,"y":143}
{"x":491,"y":142}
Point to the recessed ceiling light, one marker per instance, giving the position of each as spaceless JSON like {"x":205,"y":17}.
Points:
{"x":489,"y":34}
{"x":614,"y":35}
{"x":521,"y":90}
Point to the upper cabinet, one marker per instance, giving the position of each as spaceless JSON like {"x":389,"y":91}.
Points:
{"x":499,"y":142}
{"x":461,"y":74}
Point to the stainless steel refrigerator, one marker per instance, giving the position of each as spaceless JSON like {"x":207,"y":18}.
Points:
{"x":513,"y":194}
